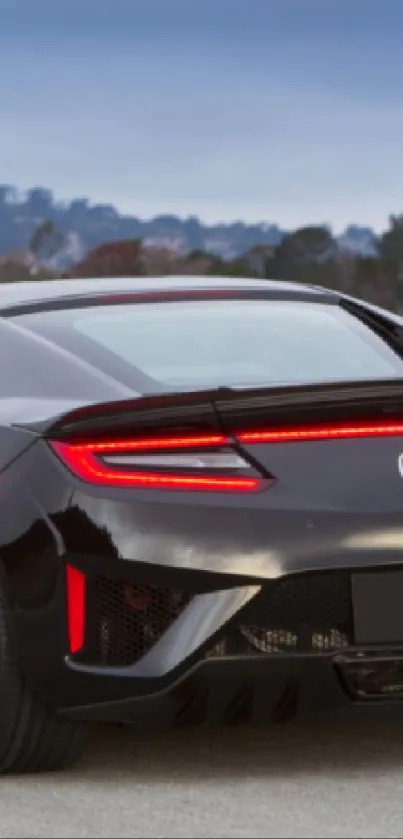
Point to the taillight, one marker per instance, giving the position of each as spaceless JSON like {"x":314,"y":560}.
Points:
{"x":189,"y":462}
{"x":321,"y":432}
{"x":76,"y":587}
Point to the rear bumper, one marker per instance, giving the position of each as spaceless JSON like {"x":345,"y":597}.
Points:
{"x":236,"y":690}
{"x":217,"y":561}
{"x":201,"y":663}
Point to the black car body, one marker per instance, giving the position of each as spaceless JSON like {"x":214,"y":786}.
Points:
{"x":201,"y":506}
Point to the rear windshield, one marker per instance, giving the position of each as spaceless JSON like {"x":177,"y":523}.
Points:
{"x":233,"y":342}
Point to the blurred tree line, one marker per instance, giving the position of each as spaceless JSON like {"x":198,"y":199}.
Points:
{"x":307,"y":255}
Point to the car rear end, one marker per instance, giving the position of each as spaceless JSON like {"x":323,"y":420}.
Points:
{"x":229,"y":543}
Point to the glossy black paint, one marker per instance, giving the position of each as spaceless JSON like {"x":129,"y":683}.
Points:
{"x":334,"y":505}
{"x":232,"y":692}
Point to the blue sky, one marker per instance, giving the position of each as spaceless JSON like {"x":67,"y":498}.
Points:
{"x":276,"y":110}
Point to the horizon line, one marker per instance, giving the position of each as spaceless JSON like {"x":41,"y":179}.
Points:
{"x":62,"y":203}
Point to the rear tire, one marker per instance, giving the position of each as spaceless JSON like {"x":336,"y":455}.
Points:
{"x":32,"y":737}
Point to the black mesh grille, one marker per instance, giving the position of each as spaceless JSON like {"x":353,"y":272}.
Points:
{"x":310,"y":613}
{"x":124,"y":621}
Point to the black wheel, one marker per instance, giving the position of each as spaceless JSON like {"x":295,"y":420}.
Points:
{"x":32,"y":737}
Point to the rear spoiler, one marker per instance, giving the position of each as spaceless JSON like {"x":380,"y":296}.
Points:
{"x":220,"y":407}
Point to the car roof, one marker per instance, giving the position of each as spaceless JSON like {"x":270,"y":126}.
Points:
{"x":37,"y":291}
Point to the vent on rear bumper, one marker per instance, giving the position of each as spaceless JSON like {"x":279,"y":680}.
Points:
{"x":124,"y":621}
{"x":309,"y":613}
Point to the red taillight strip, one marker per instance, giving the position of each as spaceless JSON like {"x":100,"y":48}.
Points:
{"x":156,"y":443}
{"x":82,"y":461}
{"x":76,"y":588}
{"x":321,"y":432}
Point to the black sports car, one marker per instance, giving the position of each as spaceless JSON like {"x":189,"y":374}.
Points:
{"x":201,"y":506}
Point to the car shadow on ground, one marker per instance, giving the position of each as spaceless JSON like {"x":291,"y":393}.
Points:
{"x":348,"y":743}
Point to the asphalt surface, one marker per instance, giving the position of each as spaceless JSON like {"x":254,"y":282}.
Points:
{"x":326,"y":777}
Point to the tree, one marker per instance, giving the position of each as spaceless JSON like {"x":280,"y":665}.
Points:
{"x":391,"y":246}
{"x":46,"y":240}
{"x":14,"y":272}
{"x":306,"y":255}
{"x":113,"y":259}
{"x":307,"y":244}
{"x":231,"y":268}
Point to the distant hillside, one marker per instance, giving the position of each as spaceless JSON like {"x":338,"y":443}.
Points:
{"x":84,"y":226}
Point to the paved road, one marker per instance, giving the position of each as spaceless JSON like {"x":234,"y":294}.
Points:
{"x":304,"y":780}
